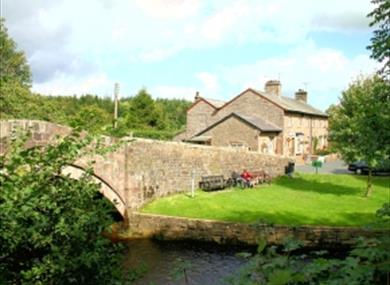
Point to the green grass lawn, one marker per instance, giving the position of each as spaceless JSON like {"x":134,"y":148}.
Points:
{"x":306,"y":199}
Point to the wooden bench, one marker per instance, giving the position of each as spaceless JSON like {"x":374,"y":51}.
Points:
{"x":213,"y":182}
{"x":261,"y":176}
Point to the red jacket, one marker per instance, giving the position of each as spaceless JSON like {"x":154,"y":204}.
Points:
{"x":246,"y":175}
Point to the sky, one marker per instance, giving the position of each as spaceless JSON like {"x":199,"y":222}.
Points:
{"x":174,"y":48}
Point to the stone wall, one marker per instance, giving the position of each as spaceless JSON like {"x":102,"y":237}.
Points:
{"x":142,"y":170}
{"x":160,"y":168}
{"x":199,"y":116}
{"x":251,"y":104}
{"x":42,"y":132}
{"x":234,"y":130}
{"x":310,"y":126}
{"x":174,"y":228}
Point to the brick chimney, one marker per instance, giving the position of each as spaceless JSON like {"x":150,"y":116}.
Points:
{"x":301,"y":95}
{"x":273,"y":87}
{"x":197,"y":96}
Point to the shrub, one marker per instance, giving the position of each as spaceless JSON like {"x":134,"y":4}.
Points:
{"x":51,"y":225}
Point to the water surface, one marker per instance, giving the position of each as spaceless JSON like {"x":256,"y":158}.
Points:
{"x":204,"y":264}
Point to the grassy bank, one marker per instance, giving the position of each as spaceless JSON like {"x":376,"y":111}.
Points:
{"x":307,"y":199}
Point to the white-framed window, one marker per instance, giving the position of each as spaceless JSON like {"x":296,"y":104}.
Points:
{"x":271,"y":145}
{"x":299,"y":144}
{"x":267,"y":144}
{"x":237,"y":144}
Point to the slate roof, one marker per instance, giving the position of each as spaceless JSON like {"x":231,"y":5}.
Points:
{"x":258,"y":123}
{"x":216,"y":103}
{"x":287,"y":103}
{"x":292,"y":105}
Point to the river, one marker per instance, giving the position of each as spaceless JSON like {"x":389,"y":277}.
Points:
{"x":166,"y":262}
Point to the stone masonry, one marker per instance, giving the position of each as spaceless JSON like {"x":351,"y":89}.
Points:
{"x":301,"y":124}
{"x":142,"y":170}
{"x":176,"y":228}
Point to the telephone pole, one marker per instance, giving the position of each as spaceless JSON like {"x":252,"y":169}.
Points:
{"x":116,"y":95}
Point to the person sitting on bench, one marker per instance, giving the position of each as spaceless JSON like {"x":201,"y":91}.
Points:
{"x":246,"y":177}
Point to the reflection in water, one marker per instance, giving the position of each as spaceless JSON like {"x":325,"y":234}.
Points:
{"x":205,"y":264}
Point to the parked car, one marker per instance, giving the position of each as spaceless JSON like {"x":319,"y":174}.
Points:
{"x":361,"y":167}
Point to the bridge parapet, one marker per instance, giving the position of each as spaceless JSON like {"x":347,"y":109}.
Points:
{"x":43,"y":133}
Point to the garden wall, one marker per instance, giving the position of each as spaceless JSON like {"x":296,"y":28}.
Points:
{"x":161,"y":168}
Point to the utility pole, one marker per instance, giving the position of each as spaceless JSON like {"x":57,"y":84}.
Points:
{"x":116,"y":95}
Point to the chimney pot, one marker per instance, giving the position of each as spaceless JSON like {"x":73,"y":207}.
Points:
{"x":197,"y":96}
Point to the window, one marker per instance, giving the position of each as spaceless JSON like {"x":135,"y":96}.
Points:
{"x":267,"y":144}
{"x":237,"y":144}
{"x":271,"y":145}
{"x":299,"y":144}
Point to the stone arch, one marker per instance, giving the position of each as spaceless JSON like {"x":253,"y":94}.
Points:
{"x":43,"y":133}
{"x":106,"y":189}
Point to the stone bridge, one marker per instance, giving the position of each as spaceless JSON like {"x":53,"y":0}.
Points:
{"x":142,"y":170}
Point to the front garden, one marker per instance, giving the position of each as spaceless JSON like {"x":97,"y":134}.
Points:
{"x":306,"y":199}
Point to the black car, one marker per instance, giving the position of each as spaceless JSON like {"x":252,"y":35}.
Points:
{"x":361,"y":167}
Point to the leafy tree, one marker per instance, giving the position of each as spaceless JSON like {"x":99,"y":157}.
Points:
{"x":142,"y":112}
{"x":380,"y":42}
{"x":175,"y":111}
{"x":51,"y":225}
{"x":91,"y":119}
{"x":359,"y":126}
{"x":14,"y":67}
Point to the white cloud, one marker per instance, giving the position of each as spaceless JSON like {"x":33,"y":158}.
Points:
{"x":70,"y":43}
{"x":326,"y":72}
{"x":158,"y":54}
{"x":219,"y":25}
{"x":63,"y":84}
{"x":209,"y":81}
{"x":169,"y":9}
{"x":173,"y":92}
{"x":208,"y":88}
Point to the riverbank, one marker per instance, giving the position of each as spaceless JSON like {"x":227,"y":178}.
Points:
{"x":141,"y":226}
{"x":305,"y":199}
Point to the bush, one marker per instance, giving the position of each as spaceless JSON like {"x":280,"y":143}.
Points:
{"x":367,"y":263}
{"x":153,"y":134}
{"x":323,"y":151}
{"x":51,"y":225}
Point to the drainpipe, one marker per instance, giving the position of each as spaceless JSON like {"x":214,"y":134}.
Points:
{"x":311,"y":135}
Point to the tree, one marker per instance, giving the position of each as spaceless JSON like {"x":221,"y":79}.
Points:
{"x":142,"y":112}
{"x":380,"y":42}
{"x":51,"y":225}
{"x":359,"y":126}
{"x":14,"y":67}
{"x":91,"y":119}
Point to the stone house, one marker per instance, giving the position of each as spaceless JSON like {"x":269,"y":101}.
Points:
{"x":263,"y":121}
